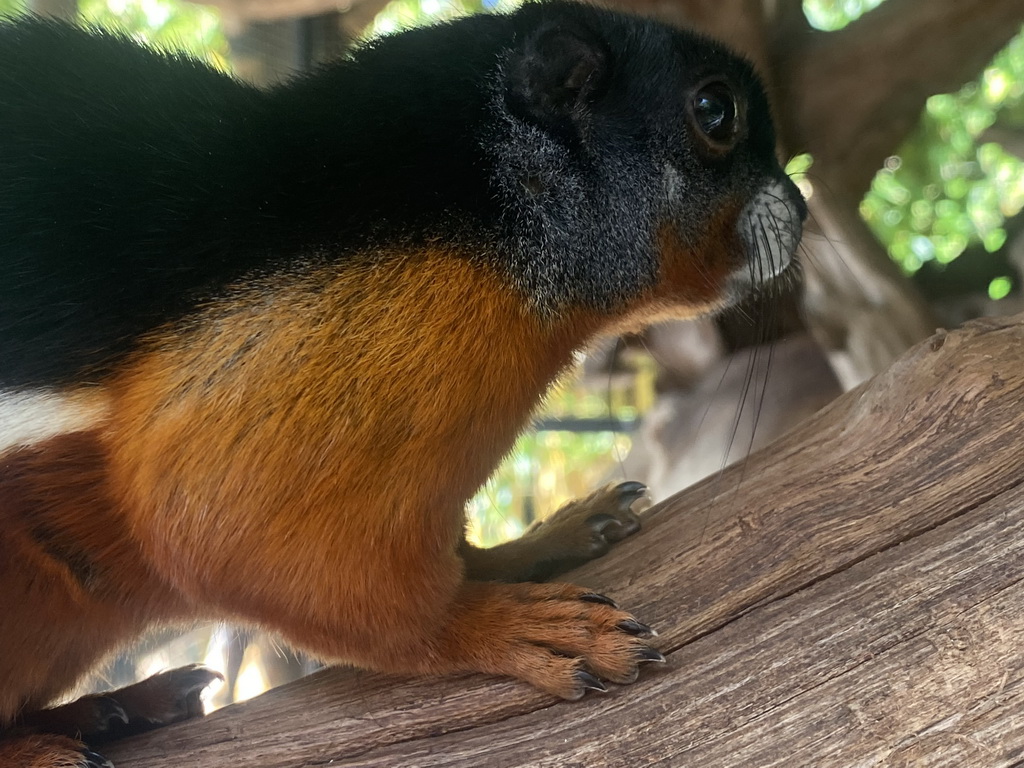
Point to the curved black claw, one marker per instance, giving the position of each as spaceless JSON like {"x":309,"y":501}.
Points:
{"x":649,"y":654}
{"x":630,"y":491}
{"x":634,"y":627}
{"x":109,"y":713}
{"x":593,"y":597}
{"x":590,"y":682}
{"x":612,"y":529}
{"x":94,"y":760}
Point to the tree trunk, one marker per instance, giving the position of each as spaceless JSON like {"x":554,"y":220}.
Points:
{"x":852,"y":595}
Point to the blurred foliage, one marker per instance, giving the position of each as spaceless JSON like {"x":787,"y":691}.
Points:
{"x":12,"y":7}
{"x":946,"y":188}
{"x":405,"y":14}
{"x":830,"y":15}
{"x":548,"y":468}
{"x":797,"y":169}
{"x":1000,"y":288}
{"x":170,"y":25}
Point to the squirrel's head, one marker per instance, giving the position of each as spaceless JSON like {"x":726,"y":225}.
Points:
{"x":635,"y":166}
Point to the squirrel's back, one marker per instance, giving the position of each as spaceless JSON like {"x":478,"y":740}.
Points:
{"x":135,"y":185}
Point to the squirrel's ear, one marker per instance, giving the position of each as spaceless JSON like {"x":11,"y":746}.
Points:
{"x":555,"y":73}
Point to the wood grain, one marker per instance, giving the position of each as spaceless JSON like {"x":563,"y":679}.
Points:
{"x":852,"y":595}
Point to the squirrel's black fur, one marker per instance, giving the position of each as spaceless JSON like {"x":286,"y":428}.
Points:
{"x":135,"y":184}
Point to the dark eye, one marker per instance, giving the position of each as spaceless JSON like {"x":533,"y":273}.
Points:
{"x":714,"y":111}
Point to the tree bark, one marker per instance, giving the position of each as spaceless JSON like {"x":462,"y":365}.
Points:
{"x":852,"y":595}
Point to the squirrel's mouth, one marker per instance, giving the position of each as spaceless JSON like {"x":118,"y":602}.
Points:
{"x":747,"y":244}
{"x":770,"y":227}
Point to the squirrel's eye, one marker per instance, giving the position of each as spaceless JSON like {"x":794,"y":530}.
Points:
{"x":715,"y":113}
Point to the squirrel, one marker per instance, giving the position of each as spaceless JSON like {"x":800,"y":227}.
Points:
{"x":259,"y":347}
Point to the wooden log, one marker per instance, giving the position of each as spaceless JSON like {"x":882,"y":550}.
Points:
{"x":852,"y":595}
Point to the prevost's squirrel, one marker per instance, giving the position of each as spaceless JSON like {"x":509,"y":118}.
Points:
{"x":258,"y":348}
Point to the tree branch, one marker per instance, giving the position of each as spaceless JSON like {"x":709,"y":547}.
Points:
{"x":850,"y":594}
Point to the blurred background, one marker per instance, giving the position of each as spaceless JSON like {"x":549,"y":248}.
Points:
{"x":901,"y":120}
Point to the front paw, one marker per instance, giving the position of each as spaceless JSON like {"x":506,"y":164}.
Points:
{"x":561,"y":638}
{"x":44,"y":750}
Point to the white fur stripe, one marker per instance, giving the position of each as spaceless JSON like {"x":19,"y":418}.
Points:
{"x":36,"y":415}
